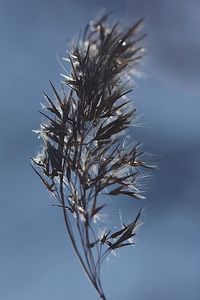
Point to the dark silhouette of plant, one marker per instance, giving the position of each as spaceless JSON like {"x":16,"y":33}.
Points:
{"x":83,"y":155}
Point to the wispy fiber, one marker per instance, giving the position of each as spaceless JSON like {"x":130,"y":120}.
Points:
{"x":83,"y":154}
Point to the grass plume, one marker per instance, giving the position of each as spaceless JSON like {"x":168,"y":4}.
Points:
{"x":83,"y":155}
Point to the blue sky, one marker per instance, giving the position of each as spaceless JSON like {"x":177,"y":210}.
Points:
{"x":36,"y":260}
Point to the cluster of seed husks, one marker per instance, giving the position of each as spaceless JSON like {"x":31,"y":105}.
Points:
{"x":82,"y":146}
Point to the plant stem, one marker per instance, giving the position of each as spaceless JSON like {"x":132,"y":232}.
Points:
{"x":66,"y":221}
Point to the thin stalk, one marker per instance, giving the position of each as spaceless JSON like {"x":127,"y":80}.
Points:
{"x":66,"y":221}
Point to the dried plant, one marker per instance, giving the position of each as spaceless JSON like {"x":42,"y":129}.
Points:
{"x":83,"y":155}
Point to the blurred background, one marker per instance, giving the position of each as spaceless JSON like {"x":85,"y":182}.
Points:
{"x":36,"y":260}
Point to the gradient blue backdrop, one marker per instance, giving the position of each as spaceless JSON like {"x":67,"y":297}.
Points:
{"x":36,"y":260}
